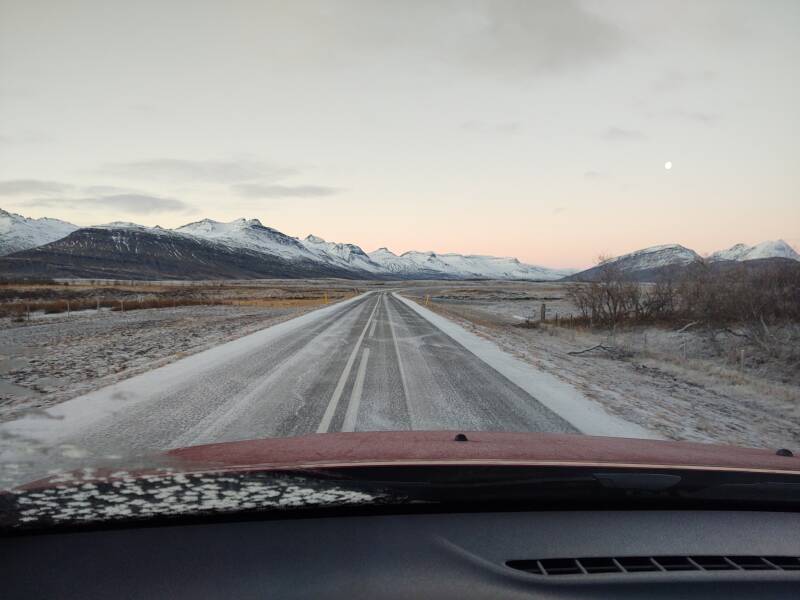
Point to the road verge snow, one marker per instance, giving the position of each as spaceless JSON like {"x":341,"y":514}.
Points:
{"x":560,"y":397}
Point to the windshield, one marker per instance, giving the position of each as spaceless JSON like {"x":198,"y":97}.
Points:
{"x":306,"y":222}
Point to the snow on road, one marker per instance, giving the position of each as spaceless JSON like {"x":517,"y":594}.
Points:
{"x":560,"y":397}
{"x":374,"y":362}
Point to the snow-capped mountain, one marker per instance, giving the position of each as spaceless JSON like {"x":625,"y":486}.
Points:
{"x":654,"y":257}
{"x":129,"y":251}
{"x":643,"y":264}
{"x":769,"y":249}
{"x":459,"y":266}
{"x":346,"y":256}
{"x":20,"y":233}
{"x":389,"y":261}
{"x":251,"y":235}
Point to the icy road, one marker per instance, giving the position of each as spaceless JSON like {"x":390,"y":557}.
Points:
{"x":375,"y":362}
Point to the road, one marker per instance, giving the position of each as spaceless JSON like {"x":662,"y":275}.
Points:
{"x":368,"y":364}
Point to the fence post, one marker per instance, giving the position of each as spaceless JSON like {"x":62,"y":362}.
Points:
{"x":68,"y":308}
{"x":741,"y":360}
{"x":542,"y":312}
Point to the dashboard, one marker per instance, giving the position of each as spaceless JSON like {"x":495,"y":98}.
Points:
{"x":556,"y":554}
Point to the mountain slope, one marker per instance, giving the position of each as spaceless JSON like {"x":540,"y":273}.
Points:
{"x":133,"y":252}
{"x":769,"y":249}
{"x":249,"y":234}
{"x":20,"y":233}
{"x":345,"y":256}
{"x":647,"y":264}
{"x":425,"y":265}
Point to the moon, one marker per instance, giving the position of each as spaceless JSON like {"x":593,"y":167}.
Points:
{"x":668,"y":165}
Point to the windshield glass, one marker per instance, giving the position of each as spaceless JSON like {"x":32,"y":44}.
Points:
{"x":317,"y":220}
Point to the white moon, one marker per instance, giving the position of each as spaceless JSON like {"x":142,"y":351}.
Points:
{"x":668,"y":165}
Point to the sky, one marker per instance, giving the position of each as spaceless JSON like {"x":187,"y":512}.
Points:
{"x":535,"y":129}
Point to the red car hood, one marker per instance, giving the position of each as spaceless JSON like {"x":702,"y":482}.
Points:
{"x":441,"y":448}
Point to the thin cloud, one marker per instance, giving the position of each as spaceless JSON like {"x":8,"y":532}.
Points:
{"x":256,"y":190}
{"x":671,"y":81}
{"x":178,"y":170}
{"x":18,"y":187}
{"x":616,"y":134}
{"x":497,"y":38}
{"x":519,"y":35}
{"x":505,"y":127}
{"x":129,"y":203}
{"x":594,"y":176}
{"x":690,"y":115}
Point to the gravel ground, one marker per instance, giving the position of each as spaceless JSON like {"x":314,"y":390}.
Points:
{"x":649,"y":382}
{"x":54,"y":358}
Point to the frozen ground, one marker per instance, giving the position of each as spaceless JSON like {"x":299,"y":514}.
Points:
{"x":680,"y":385}
{"x":53,"y":357}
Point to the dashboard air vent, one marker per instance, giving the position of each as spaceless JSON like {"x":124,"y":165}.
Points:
{"x":655,"y":564}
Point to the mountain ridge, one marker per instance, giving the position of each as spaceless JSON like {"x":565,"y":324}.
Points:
{"x":243,"y":242}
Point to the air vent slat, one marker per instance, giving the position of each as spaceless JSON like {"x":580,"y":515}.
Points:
{"x":601,"y":565}
{"x":786,"y":563}
{"x":751,"y":563}
{"x":675,"y":563}
{"x":713,"y":563}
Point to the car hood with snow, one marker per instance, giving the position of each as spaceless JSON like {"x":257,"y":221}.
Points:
{"x":413,"y":470}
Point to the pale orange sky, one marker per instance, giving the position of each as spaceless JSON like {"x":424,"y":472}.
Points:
{"x":532,"y":129}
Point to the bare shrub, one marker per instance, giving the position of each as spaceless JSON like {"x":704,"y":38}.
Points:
{"x":757,"y":297}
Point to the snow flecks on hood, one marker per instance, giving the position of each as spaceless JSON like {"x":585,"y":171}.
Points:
{"x":80,"y":498}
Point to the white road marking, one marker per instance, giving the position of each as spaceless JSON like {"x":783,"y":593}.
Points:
{"x":400,"y":368}
{"x":351,"y":415}
{"x":372,"y":329}
{"x":337,"y":392}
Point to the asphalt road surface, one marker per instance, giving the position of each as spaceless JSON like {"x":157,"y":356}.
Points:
{"x":370,"y":364}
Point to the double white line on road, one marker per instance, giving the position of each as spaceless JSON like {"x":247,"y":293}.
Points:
{"x":400,"y":368}
{"x":337,"y":392}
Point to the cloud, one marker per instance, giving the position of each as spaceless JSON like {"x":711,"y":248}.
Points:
{"x":671,"y":81}
{"x":25,"y":137}
{"x":594,"y":176}
{"x":615,"y":134}
{"x":689,"y":115}
{"x":177,"y":170}
{"x":506,"y":127}
{"x":129,"y":203}
{"x":257,"y":190}
{"x":498,"y":38}
{"x":17,"y":187}
{"x":520,"y":35}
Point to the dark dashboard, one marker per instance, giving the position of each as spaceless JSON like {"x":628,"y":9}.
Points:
{"x":548,"y":554}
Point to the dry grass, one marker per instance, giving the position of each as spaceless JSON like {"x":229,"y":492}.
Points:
{"x":18,"y":300}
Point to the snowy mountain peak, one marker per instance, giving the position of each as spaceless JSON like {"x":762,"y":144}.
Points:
{"x":242,"y":222}
{"x":657,"y":256}
{"x":382,"y":252}
{"x":249,"y":234}
{"x":313,"y":239}
{"x":19,"y":233}
{"x":768,"y":249}
{"x":122,"y":225}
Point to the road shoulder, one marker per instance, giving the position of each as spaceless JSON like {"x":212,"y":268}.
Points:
{"x":563,"y":399}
